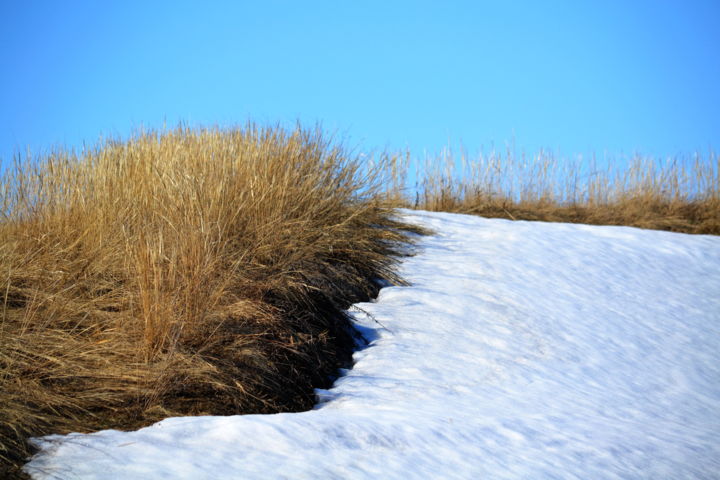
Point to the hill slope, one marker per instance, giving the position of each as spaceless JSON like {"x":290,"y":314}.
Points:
{"x":521,"y":350}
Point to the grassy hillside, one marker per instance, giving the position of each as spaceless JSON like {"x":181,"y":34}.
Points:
{"x":184,"y":272}
{"x":196,"y":272}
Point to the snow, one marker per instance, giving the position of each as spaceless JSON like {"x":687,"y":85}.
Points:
{"x":521,"y":350}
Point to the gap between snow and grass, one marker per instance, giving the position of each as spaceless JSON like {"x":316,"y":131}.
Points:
{"x":521,"y":350}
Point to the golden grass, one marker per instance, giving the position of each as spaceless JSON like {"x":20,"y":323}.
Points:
{"x":182,"y":272}
{"x":679,"y":194}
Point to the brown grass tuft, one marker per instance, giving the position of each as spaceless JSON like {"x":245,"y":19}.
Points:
{"x":182,"y":272}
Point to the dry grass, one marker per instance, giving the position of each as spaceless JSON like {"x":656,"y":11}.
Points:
{"x":679,"y":194}
{"x":183,"y":272}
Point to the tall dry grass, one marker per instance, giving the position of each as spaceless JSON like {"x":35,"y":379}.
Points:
{"x":679,"y":194}
{"x":182,"y":272}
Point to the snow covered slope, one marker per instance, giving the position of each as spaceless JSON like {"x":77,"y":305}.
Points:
{"x":522,"y":350}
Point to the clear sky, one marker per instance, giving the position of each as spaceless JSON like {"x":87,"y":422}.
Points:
{"x":574,"y":76}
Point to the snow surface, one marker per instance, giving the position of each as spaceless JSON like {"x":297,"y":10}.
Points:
{"x":521,"y":350}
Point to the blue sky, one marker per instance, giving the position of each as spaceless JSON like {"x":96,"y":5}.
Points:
{"x":571,"y":76}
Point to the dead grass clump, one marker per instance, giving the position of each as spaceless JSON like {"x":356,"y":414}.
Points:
{"x":182,"y":272}
{"x":680,"y":194}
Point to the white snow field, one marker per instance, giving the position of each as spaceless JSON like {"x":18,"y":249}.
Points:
{"x":522,"y":350}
